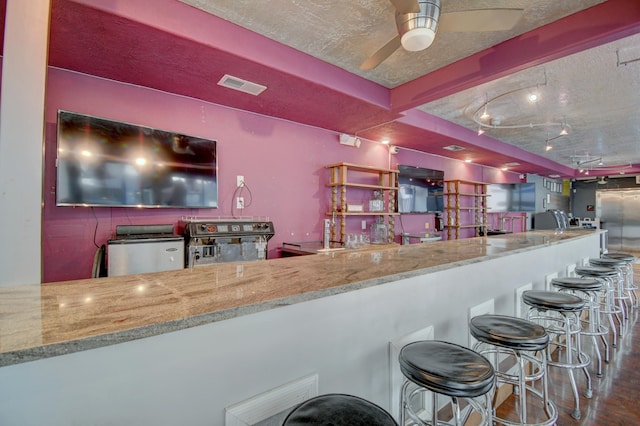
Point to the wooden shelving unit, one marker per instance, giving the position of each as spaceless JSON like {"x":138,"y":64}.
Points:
{"x":466,"y":207}
{"x":376,"y":179}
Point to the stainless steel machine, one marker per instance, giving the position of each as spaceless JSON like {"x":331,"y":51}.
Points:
{"x":138,"y":249}
{"x":551,"y":219}
{"x":211,"y":241}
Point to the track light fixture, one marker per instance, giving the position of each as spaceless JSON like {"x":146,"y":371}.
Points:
{"x":484,"y":120}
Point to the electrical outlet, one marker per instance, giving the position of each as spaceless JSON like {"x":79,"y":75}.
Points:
{"x":240,"y":202}
{"x":239,"y":181}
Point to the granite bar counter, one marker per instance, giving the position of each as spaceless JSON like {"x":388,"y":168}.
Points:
{"x":183,"y":347}
{"x":38,"y":321}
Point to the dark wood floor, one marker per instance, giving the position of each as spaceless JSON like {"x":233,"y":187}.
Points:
{"x":616,"y":395}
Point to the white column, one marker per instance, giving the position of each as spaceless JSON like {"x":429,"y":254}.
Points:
{"x":24,"y":68}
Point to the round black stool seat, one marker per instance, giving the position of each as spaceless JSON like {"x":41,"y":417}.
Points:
{"x":620,"y":256}
{"x":596,"y":271}
{"x":553,"y":300}
{"x":446,"y":368}
{"x":607,"y":262}
{"x":512,"y":332}
{"x":577,"y":283}
{"x":338,"y":410}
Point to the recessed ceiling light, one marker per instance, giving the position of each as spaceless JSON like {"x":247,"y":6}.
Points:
{"x":468,"y":160}
{"x":533,"y":97}
{"x":554,"y":176}
{"x":512,"y":164}
{"x":385,"y":141}
{"x":454,"y":148}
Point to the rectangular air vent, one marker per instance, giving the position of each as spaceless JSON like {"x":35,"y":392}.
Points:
{"x":241,"y":85}
{"x":453,"y":148}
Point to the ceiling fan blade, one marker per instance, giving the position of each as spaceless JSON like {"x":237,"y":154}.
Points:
{"x":383,"y":53}
{"x":480,"y":20}
{"x":406,"y":6}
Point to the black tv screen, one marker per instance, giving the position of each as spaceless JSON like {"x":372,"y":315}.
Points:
{"x":511,"y":197}
{"x":108,"y":163}
{"x":420,"y":190}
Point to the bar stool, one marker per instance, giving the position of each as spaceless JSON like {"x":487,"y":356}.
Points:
{"x":339,"y":410}
{"x":630,"y":286}
{"x":449,"y":370}
{"x":500,"y":335}
{"x":590,"y":290}
{"x":560,"y":313}
{"x":621,"y":296}
{"x":610,"y":308}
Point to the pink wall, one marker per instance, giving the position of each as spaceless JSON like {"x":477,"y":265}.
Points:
{"x":282,"y":162}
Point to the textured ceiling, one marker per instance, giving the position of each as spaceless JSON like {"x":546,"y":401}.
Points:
{"x":345,"y":33}
{"x":594,"y":92}
{"x":418,"y":100}
{"x":597,"y":98}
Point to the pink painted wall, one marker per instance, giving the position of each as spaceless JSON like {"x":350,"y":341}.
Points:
{"x":282,"y":162}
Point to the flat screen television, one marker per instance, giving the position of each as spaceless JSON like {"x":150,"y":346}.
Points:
{"x":107,"y":163}
{"x":511,"y":197}
{"x":420,"y":190}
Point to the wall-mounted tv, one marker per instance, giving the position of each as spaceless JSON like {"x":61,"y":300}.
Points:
{"x":114,"y":164}
{"x":511,"y":197}
{"x":420,"y":190}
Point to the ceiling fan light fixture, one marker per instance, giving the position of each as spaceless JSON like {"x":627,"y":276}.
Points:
{"x":417,"y":39}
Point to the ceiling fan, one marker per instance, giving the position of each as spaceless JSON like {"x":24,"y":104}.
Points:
{"x":418,"y":20}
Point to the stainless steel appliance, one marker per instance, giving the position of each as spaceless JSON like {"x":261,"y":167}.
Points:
{"x":619,"y":214}
{"x":551,"y":219}
{"x":217,"y":241}
{"x":137,"y":249}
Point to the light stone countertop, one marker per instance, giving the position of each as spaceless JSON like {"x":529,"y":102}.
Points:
{"x":40,"y":321}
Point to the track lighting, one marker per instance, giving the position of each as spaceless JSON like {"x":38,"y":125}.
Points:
{"x":499,"y":120}
{"x":485,"y":115}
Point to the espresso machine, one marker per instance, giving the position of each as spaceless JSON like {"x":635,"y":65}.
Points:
{"x":213,"y":241}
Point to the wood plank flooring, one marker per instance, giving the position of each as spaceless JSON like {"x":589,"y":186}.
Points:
{"x":616,"y":395}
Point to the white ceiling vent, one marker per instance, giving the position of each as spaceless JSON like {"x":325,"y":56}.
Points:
{"x":241,"y":85}
{"x":453,"y":148}
{"x":512,"y":164}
